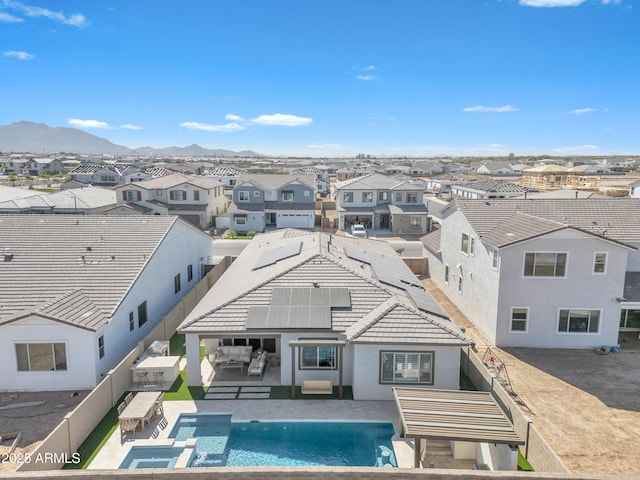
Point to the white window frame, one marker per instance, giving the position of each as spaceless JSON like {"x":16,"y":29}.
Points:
{"x":415,"y":221}
{"x":240,"y":219}
{"x":53,"y":354}
{"x":578,"y":332}
{"x":412,"y":197}
{"x":525,"y":320}
{"x":347,"y":197}
{"x":383,"y":196}
{"x":406,"y":366}
{"x":256,"y":193}
{"x":284,"y":195}
{"x":101,"y":346}
{"x":596,"y":263}
{"x":533,"y":275}
{"x":447,"y":273}
{"x":464,"y":244}
{"x":472,"y":246}
{"x":307,"y":193}
{"x":460,"y":284}
{"x":243,"y":196}
{"x":495,"y":261}
{"x":367,"y":197}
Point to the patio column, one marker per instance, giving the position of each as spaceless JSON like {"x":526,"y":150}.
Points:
{"x":194,"y":374}
{"x":293,"y":372}
{"x":340,"y":389}
{"x":417,"y":443}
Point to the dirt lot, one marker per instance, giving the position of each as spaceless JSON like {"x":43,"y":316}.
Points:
{"x":586,"y":405}
{"x":34,"y":422}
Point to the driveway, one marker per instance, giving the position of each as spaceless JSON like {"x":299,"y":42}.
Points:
{"x":586,"y":405}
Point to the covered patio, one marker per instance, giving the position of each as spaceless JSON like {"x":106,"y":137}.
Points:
{"x":452,"y":415}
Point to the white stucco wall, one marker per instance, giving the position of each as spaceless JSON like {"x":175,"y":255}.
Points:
{"x":79,"y":349}
{"x":366,"y":369}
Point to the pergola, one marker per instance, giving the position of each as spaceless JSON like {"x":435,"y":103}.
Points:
{"x":453,"y":415}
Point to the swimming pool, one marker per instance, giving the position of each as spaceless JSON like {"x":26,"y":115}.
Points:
{"x":152,"y":457}
{"x":220,"y":442}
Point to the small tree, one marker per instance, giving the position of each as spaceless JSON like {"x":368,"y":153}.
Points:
{"x":232,"y":234}
{"x":251,"y":233}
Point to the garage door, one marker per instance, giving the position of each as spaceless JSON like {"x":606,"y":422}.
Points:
{"x":295,"y":220}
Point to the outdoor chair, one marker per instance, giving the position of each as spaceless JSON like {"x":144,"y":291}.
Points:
{"x":158,"y":377}
{"x":121,"y":407}
{"x":142,"y":377}
{"x":129,"y":425}
{"x":128,"y":398}
{"x":159,"y":409}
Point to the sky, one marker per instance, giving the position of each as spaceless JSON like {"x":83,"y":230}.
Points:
{"x":330,"y":78}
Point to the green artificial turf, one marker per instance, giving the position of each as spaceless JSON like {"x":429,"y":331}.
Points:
{"x":180,"y":391}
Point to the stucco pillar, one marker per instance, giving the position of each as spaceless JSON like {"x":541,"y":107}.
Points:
{"x":194,"y":375}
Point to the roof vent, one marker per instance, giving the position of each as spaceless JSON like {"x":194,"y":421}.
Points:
{"x":8,"y":257}
{"x":316,"y":285}
{"x":89,"y":249}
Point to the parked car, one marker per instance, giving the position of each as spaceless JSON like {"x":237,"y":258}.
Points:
{"x":359,"y":231}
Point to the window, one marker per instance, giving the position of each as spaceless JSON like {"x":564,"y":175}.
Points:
{"x":446,"y":274}
{"x":101,"y":346}
{"x":630,"y":319}
{"x":287,"y":196}
{"x":579,"y":321}
{"x":108,"y":178}
{"x":383,"y":196}
{"x":347,"y":197}
{"x":406,"y":367}
{"x":41,"y":357}
{"x":177,"y":195}
{"x":176,"y":283}
{"x":545,"y":264}
{"x":142,"y":314}
{"x":519,"y":319}
{"x":189,"y":273}
{"x":398,"y":196}
{"x":465,"y":244}
{"x":158,"y":192}
{"x":472,"y":246}
{"x":496,"y":260}
{"x":132,"y":325}
{"x":196,"y":195}
{"x":256,"y":193}
{"x":240,"y":219}
{"x":412,"y":197}
{"x":243,"y":196}
{"x":307,"y":193}
{"x":323,"y":358}
{"x":460,"y":284}
{"x":367,"y":197}
{"x":600,"y":262}
{"x":131,"y":195}
{"x":415,"y":221}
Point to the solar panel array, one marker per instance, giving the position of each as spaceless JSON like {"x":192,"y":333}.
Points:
{"x":388,"y":269}
{"x":425,"y":302}
{"x":298,"y":308}
{"x":276,"y":254}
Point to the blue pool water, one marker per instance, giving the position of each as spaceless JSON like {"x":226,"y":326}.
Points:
{"x":151,"y":457}
{"x":223,"y":443}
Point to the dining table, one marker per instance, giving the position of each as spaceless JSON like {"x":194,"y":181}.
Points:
{"x":140,"y":407}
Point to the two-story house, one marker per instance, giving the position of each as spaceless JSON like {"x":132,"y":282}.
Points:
{"x":541,"y":273}
{"x":487,"y":189}
{"x":38,"y":166}
{"x":78,"y":293}
{"x":101,"y":174}
{"x":273,"y":201}
{"x":321,"y":175}
{"x":381,"y":203}
{"x":198,"y":200}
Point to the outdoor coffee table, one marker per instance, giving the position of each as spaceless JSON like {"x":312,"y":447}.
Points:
{"x":227,"y":365}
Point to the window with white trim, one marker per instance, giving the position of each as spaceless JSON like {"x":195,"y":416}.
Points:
{"x":578,"y":321}
{"x":240,"y":219}
{"x":415,"y":221}
{"x":383,"y":196}
{"x":132,"y":324}
{"x":347,"y":197}
{"x":519,"y":316}
{"x":495,"y":262}
{"x":243,"y":196}
{"x":196,"y":195}
{"x":412,"y":197}
{"x":287,"y":195}
{"x":630,"y":319}
{"x":101,"y":346}
{"x":446,"y":274}
{"x":398,"y":197}
{"x":460,"y":284}
{"x":472,"y":246}
{"x":189,"y":272}
{"x":545,"y":264}
{"x":41,"y":357}
{"x":177,"y":195}
{"x":464,"y":246}
{"x":600,"y":263}
{"x":367,"y":197}
{"x":256,"y":193}
{"x":176,"y":283}
{"x":406,"y":367}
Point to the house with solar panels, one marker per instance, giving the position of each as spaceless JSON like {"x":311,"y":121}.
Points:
{"x":342,"y":310}
{"x":79,"y":292}
{"x":549,"y":273}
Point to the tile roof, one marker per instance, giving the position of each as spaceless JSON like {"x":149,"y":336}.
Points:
{"x":492,"y":186}
{"x":74,"y":267}
{"x":176,"y":179}
{"x":272,"y":181}
{"x":323,"y":261}
{"x":615,"y":219}
{"x":376,"y":181}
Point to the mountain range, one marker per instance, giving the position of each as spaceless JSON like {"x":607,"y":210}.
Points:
{"x":36,"y":137}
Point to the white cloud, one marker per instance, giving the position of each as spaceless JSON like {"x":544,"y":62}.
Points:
{"x":282,"y":120}
{"x":75,"y":19}
{"x":130,"y":126}
{"x":577,"y":149}
{"x":233,"y":118}
{"x":366,"y":78}
{"x":5,"y":17}
{"x":480,"y":108}
{"x":582,"y":111}
{"x":19,"y":55}
{"x":552,"y":3}
{"x":370,"y":68}
{"x":229,"y":127}
{"x":76,"y":122}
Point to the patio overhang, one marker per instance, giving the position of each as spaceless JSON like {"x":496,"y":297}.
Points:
{"x":453,"y":415}
{"x":316,"y":342}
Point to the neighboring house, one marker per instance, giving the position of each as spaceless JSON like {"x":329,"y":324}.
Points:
{"x":541,"y":273}
{"x":79,"y":293}
{"x":17,"y":166}
{"x":147,"y":174}
{"x":495,"y":168}
{"x":101,"y":174}
{"x":333,"y":308}
{"x":634,"y":189}
{"x":226,"y":175}
{"x":348,"y":173}
{"x":86,"y":200}
{"x":380,"y":202}
{"x":321,"y":175}
{"x":198,"y":200}
{"x":486,"y":189}
{"x":273,"y":201}
{"x":36,"y":166}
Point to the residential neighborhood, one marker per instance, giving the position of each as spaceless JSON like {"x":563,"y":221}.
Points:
{"x":365,"y":288}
